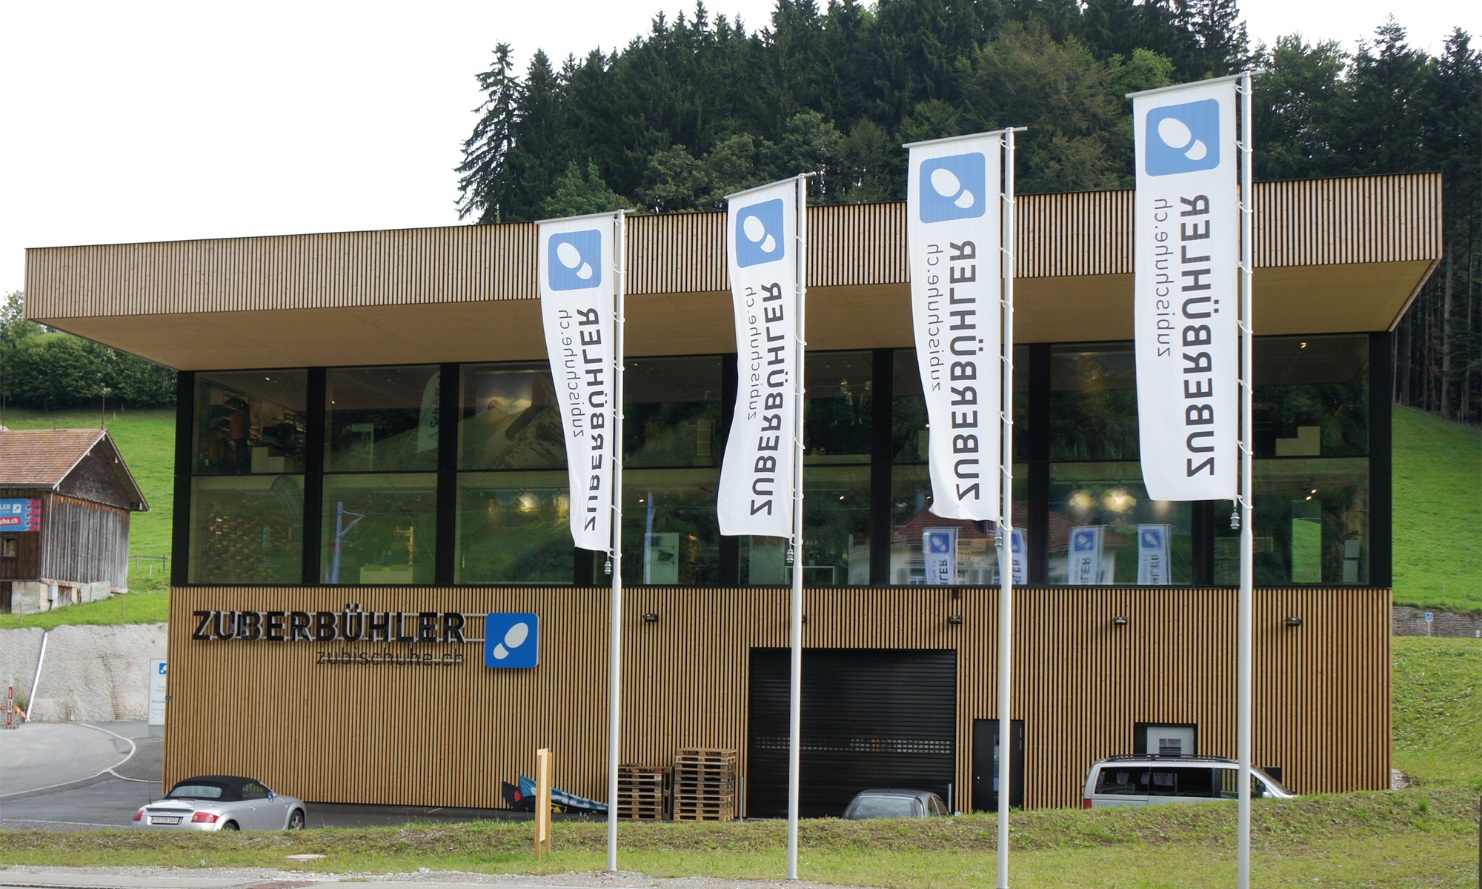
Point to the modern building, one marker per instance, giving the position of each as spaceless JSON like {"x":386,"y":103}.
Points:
{"x":369,"y":462}
{"x":65,"y":501}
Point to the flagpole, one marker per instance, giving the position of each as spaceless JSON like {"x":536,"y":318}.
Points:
{"x":795,"y":555}
{"x":1006,"y":515}
{"x":1247,"y":211}
{"x":614,"y":693}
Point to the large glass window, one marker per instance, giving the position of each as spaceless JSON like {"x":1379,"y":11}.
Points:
{"x":908,"y":426}
{"x":670,"y":531}
{"x":379,"y":528}
{"x":838,"y":415}
{"x":250,"y":422}
{"x":246,"y":529}
{"x":514,"y":527}
{"x":672,"y":412}
{"x":1105,"y":530}
{"x":1093,"y":403}
{"x":1311,"y":524}
{"x":381,"y":419}
{"x":510,"y":418}
{"x":973,"y":545}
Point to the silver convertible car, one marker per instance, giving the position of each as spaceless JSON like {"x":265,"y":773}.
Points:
{"x":222,"y":802}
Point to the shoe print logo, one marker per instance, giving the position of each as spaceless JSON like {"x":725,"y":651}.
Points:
{"x":954,"y":187}
{"x":1183,"y":138}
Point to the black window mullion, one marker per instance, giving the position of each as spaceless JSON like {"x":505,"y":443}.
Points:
{"x":314,"y":434}
{"x":1381,"y":455}
{"x":185,"y":424}
{"x":450,"y":411}
{"x":882,"y":405}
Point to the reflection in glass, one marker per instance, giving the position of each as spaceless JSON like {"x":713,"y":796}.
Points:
{"x":514,"y":527}
{"x":247,"y":530}
{"x":379,"y":529}
{"x":672,"y":412}
{"x":1111,"y":496}
{"x":510,"y":418}
{"x":250,"y":422}
{"x":908,"y":426}
{"x":1311,"y":524}
{"x":910,"y":518}
{"x":381,"y":418}
{"x":836,"y":534}
{"x":670,"y":532}
{"x":1093,"y":403}
{"x":838,"y":414}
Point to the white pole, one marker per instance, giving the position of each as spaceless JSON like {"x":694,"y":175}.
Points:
{"x":36,"y":680}
{"x":1247,"y":210}
{"x":1006,"y":518}
{"x":619,"y":251}
{"x":795,"y":675}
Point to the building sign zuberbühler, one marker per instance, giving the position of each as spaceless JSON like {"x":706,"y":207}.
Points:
{"x":576,"y":296}
{"x":1186,"y":292}
{"x":954,"y":228}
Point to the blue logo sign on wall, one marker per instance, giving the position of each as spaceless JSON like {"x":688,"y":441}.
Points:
{"x":759,"y":234}
{"x":954,"y":187}
{"x":512,"y":640}
{"x":575,"y":260}
{"x":1183,"y":138}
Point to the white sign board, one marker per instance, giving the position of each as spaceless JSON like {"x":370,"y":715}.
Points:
{"x":157,"y":696}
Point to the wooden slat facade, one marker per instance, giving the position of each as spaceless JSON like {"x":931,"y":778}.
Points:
{"x":448,"y":735}
{"x":1379,"y":219}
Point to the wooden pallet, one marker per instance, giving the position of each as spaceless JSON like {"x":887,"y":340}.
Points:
{"x":705,"y":784}
{"x":643,"y":792}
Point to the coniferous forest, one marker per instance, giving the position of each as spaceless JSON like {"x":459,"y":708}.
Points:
{"x":701,"y":106}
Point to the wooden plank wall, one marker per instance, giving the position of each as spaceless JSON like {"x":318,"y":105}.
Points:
{"x":448,"y":735}
{"x":1310,"y":222}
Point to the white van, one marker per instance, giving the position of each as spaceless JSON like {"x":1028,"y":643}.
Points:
{"x":1153,"y":780}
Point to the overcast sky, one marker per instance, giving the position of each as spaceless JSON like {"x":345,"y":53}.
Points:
{"x":152,"y":120}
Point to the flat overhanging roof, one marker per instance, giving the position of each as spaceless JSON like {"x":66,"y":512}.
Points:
{"x":1331,"y":256}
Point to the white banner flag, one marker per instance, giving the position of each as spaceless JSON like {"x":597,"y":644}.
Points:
{"x":1187,"y":236}
{"x":939,"y":553}
{"x":1085,"y":555}
{"x":1152,"y":554}
{"x":576,"y":296}
{"x":756,"y":477}
{"x":954,"y":226}
{"x":1019,"y":556}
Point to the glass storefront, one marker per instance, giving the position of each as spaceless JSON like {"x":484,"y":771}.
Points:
{"x":362,"y":474}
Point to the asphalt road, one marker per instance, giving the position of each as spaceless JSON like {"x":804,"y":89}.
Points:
{"x":73,"y":776}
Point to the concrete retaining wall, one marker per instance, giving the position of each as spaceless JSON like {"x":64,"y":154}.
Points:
{"x":1411,"y":622}
{"x":91,"y":674}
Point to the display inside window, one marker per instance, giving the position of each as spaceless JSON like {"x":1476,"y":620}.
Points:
{"x":381,"y":419}
{"x":1104,"y":529}
{"x":514,"y":527}
{"x":379,"y":529}
{"x":247,"y":530}
{"x":510,"y":418}
{"x":250,"y":422}
{"x":670,"y":530}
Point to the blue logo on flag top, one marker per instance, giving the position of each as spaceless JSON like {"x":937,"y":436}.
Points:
{"x":954,"y":187}
{"x":1152,"y":538}
{"x":759,"y":235}
{"x":574,"y":261}
{"x":512,"y":640}
{"x":1183,"y":138}
{"x":1085,"y":541}
{"x":939,"y":541}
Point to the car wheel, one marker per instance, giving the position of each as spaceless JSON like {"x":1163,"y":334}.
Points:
{"x":296,"y":819}
{"x":230,"y":825}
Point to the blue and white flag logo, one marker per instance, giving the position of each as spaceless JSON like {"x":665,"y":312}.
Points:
{"x":954,"y":187}
{"x":575,"y":260}
{"x":1085,"y":541}
{"x":1152,"y":538}
{"x":759,"y":234}
{"x":1183,"y":138}
{"x":939,"y":541}
{"x":512,"y":640}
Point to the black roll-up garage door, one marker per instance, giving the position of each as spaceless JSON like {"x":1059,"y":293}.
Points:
{"x":871,"y":718}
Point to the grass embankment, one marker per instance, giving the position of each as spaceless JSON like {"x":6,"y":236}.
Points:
{"x":1438,"y":509}
{"x":146,"y":439}
{"x":1424,"y":836}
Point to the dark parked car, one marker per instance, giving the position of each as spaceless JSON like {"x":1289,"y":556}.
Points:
{"x":895,"y":804}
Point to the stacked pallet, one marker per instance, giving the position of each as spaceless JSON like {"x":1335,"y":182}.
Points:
{"x":705,"y":784}
{"x":642,"y":792}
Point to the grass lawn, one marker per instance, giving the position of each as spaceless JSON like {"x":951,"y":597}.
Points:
{"x":1438,"y":511}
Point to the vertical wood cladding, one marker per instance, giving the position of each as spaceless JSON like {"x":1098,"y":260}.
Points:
{"x":84,"y":542}
{"x":1310,"y":222}
{"x":448,"y":735}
